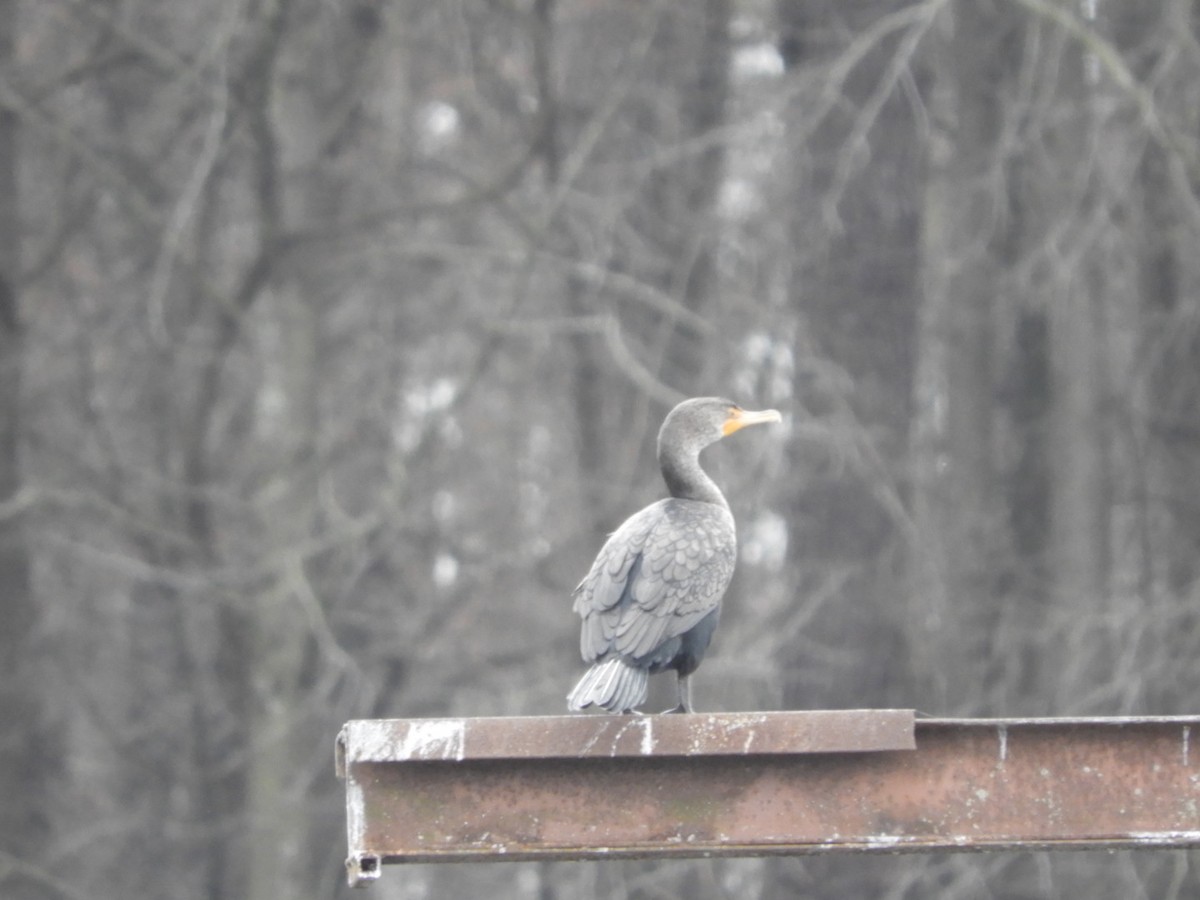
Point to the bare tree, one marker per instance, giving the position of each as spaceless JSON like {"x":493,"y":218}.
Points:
{"x":335,"y":336}
{"x":28,"y":752}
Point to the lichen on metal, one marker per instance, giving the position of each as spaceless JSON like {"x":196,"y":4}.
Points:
{"x":760,"y":783}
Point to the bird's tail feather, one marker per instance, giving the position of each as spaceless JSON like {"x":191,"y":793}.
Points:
{"x":613,"y":684}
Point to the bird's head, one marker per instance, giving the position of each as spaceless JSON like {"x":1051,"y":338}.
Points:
{"x":703,"y":420}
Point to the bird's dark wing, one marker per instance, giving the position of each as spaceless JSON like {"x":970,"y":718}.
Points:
{"x":656,"y":576}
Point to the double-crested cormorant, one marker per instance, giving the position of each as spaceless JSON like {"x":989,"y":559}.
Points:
{"x":653,"y":595}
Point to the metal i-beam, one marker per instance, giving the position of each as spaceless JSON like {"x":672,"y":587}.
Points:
{"x":745,"y":784}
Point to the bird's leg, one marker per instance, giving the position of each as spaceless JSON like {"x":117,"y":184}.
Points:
{"x":684,"y":686}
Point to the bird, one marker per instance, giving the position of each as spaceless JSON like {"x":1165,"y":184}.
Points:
{"x":652,"y":598}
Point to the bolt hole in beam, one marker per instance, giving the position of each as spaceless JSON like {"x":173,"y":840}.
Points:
{"x":746,"y":784}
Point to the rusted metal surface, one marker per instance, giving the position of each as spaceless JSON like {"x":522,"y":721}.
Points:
{"x":552,"y":737}
{"x":719,"y":785}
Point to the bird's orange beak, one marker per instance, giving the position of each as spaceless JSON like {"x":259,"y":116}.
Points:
{"x":740,"y":418}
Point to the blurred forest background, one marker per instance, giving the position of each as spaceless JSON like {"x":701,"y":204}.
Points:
{"x":335,"y":335}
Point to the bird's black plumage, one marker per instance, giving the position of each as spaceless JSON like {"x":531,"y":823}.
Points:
{"x":652,"y":598}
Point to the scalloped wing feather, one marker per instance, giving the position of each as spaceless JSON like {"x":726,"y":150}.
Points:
{"x":656,"y":576}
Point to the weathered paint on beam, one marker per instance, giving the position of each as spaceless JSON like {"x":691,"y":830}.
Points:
{"x":554,"y":737}
{"x":761,"y":783}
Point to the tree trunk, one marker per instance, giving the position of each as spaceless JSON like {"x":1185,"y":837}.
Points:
{"x":854,"y":283}
{"x":27,"y":749}
{"x":1073,"y":281}
{"x":293,"y":115}
{"x":954,"y":497}
{"x":280,"y":636}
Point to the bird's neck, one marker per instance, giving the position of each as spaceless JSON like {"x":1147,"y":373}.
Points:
{"x":685,"y":479}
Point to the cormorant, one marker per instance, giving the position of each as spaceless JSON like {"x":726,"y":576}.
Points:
{"x":653,"y":595}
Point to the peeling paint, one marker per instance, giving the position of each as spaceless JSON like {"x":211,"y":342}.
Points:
{"x":645,"y":747}
{"x":1165,"y":838}
{"x":355,"y":814}
{"x":1187,"y":734}
{"x":433,"y":739}
{"x":882,"y":840}
{"x":616,"y":738}
{"x":647,"y":736}
{"x":592,"y":741}
{"x":418,"y":739}
{"x":1002,"y":734}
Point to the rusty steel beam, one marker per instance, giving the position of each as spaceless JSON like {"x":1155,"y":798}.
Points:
{"x":743,"y":784}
